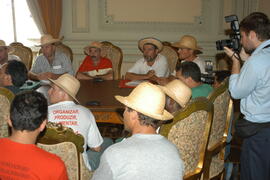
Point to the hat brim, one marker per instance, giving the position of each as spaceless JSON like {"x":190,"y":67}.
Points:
{"x":172,"y":95}
{"x":49,"y":42}
{"x":9,"y":48}
{"x":86,"y":49}
{"x":178,"y":45}
{"x":163,"y":117}
{"x":63,"y":88}
{"x":150,"y":41}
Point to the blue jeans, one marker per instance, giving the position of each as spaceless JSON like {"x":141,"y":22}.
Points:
{"x":94,"y":157}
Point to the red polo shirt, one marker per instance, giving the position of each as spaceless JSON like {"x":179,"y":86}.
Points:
{"x":88,"y":65}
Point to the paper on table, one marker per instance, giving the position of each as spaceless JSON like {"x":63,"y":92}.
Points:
{"x":134,"y":83}
{"x":99,"y":72}
{"x":45,"y":82}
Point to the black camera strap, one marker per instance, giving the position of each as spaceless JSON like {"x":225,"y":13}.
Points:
{"x":267,"y":46}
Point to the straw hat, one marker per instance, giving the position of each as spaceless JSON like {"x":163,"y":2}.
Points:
{"x":150,"y":40}
{"x":69,"y":84}
{"x":94,"y":44}
{"x":9,"y":48}
{"x":147,"y":99}
{"x":189,"y":42}
{"x":47,"y":39}
{"x":178,"y":91}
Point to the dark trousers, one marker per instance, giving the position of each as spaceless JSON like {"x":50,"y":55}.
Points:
{"x":255,"y":156}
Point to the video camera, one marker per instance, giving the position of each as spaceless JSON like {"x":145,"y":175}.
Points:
{"x":234,"y":41}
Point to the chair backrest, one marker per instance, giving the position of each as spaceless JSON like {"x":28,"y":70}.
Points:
{"x":115,"y":54}
{"x":85,"y":174}
{"x":171,"y":54}
{"x":64,"y":49}
{"x":67,"y":151}
{"x":25,"y":53}
{"x":63,"y":142}
{"x":6,"y":97}
{"x":220,"y":97}
{"x":189,"y":131}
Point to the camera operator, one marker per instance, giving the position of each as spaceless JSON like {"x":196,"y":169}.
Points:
{"x":252,"y":86}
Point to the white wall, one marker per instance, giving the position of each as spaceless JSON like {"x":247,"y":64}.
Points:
{"x":124,"y":22}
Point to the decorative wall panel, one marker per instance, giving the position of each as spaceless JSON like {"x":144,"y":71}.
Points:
{"x":80,"y":16}
{"x":124,"y":22}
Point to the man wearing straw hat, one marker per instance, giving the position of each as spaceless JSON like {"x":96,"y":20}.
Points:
{"x":178,"y":93}
{"x":153,"y":65}
{"x":51,"y":64}
{"x":188,"y":51}
{"x":64,"y":110}
{"x":95,"y":66}
{"x":144,"y":155}
{"x":5,"y":53}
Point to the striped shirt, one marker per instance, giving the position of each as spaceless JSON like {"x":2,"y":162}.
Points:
{"x":61,"y":64}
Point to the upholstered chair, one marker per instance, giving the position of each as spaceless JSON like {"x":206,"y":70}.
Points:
{"x":64,"y":49}
{"x":6,"y":97}
{"x":63,"y":142}
{"x":115,"y":54}
{"x":68,"y":153}
{"x":171,"y":54}
{"x":214,"y":165}
{"x":189,"y":131}
{"x":25,"y":53}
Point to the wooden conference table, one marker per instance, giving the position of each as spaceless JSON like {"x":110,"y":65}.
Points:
{"x":103,"y":92}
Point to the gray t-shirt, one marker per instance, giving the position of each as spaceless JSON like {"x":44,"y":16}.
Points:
{"x":142,"y":156}
{"x":60,"y":65}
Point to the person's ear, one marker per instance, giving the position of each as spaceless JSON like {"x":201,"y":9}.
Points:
{"x":9,"y":122}
{"x":189,"y":80}
{"x":252,"y":35}
{"x":8,"y":78}
{"x":133,"y":115}
{"x":43,"y":125}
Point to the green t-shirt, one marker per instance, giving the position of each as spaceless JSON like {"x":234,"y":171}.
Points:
{"x":201,"y":91}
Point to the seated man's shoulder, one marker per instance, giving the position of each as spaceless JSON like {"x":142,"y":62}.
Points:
{"x":160,"y":56}
{"x":83,"y":109}
{"x":106,"y":61}
{"x":162,"y":59}
{"x":60,"y":54}
{"x":201,"y":91}
{"x":208,"y":86}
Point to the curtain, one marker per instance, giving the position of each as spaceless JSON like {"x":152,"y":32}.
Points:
{"x":48,"y":14}
{"x":37,"y":16}
{"x":51,"y":11}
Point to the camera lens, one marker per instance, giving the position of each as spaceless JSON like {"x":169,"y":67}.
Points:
{"x":225,"y":42}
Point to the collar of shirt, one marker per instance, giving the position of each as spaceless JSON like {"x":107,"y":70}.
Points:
{"x":63,"y":103}
{"x":157,"y":58}
{"x":261,"y":46}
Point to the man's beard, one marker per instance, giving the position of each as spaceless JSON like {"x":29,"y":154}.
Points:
{"x":149,"y":58}
{"x":94,"y":58}
{"x":249,"y":51}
